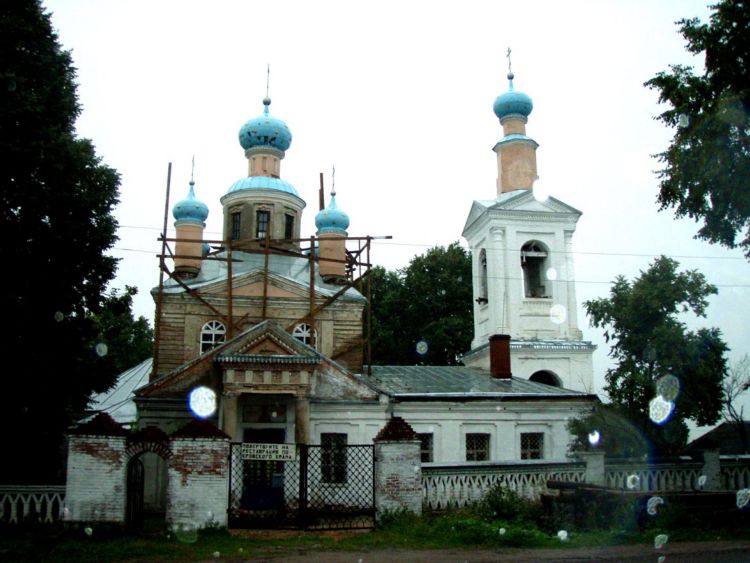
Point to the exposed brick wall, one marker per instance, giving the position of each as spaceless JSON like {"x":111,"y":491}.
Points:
{"x":198,"y":481}
{"x":96,"y":481}
{"x":398,"y":476}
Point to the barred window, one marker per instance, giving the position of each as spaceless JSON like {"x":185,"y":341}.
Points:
{"x":288,"y":226}
{"x":212,"y":334}
{"x":236,"y":225}
{"x":426,"y":447}
{"x":532,"y":445}
{"x":477,"y":447}
{"x":333,"y":458}
{"x":262,"y":218}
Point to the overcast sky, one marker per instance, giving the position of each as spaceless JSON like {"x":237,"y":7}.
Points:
{"x":398,"y":96}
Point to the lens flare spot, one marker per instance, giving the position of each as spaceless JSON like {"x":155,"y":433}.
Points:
{"x":632,"y":481}
{"x":186,"y":532}
{"x":59,"y":317}
{"x":202,"y":401}
{"x":101,"y":349}
{"x":683,"y":120}
{"x":422,"y":347}
{"x":653,"y":505}
{"x":540,"y":191}
{"x":660,"y":541}
{"x":668,"y":387}
{"x":661,"y":559}
{"x":743,"y":497}
{"x":558,"y":314}
{"x":501,"y":531}
{"x":551,"y":274}
{"x":659,"y":410}
{"x":702,"y":481}
{"x":217,"y":554}
{"x":88,"y":531}
{"x":594,"y":437}
{"x":562,"y":535}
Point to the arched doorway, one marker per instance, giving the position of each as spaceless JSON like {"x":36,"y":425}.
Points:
{"x":546,"y":377}
{"x":146,"y":486}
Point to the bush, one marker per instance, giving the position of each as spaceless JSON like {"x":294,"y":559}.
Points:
{"x":502,"y":503}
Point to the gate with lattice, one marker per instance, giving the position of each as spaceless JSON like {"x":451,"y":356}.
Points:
{"x":322,"y":487}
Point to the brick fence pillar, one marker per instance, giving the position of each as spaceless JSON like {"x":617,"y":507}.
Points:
{"x":97,"y":469}
{"x":595,"y":471}
{"x":712,"y":469}
{"x":198,"y":477}
{"x":398,"y":469}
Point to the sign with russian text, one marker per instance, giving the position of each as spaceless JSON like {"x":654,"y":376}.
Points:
{"x":269,"y":452}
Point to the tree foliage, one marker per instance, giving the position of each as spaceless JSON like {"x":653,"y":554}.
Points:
{"x":706,"y":174}
{"x":641,"y":321}
{"x":735,"y":385}
{"x":56,"y":225}
{"x":128,"y":340}
{"x":429,"y":301}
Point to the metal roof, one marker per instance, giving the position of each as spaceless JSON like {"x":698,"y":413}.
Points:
{"x":118,"y":400}
{"x":459,"y":382}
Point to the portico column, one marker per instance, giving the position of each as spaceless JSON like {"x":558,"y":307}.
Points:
{"x":302,"y":419}
{"x":230,"y":415}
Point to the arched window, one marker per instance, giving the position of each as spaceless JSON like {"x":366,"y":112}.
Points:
{"x":212,"y":334}
{"x":533,"y":263}
{"x":546,"y":377}
{"x":482,"y":297}
{"x":306,"y":335}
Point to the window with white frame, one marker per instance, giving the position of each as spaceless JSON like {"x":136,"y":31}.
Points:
{"x":306,"y":334}
{"x":212,"y":334}
{"x":477,"y":447}
{"x":425,"y":447}
{"x":532,"y":445}
{"x":333,"y":457}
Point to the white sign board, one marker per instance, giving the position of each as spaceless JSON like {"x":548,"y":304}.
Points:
{"x":269,"y":452}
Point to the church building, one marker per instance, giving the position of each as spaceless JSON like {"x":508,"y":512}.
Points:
{"x":263,"y":332}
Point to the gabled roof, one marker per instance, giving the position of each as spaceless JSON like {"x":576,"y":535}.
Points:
{"x":461,"y":383}
{"x":518,"y":203}
{"x":288,"y":350}
{"x":726,"y":437}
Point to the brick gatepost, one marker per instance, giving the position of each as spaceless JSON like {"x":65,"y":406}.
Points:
{"x":96,"y":478}
{"x":398,"y":469}
{"x":198,"y":477}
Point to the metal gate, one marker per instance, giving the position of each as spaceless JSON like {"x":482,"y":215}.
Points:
{"x":134,"y":501}
{"x":324,"y":487}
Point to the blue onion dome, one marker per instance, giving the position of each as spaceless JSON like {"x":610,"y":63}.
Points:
{"x":190,"y":208}
{"x":332,"y":219}
{"x":512,"y":102}
{"x":265,"y":131}
{"x":263,"y":183}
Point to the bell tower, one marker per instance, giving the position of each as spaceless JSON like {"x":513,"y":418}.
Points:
{"x":523,"y":278}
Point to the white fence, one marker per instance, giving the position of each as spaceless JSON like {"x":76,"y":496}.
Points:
{"x":447,"y":486}
{"x":36,"y":504}
{"x":649,"y":478}
{"x":735,"y":473}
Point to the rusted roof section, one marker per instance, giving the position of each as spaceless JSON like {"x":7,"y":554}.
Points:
{"x":198,"y":428}
{"x":101,"y":425}
{"x":396,"y":430}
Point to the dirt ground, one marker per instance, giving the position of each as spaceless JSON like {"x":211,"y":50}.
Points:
{"x":708,"y":552}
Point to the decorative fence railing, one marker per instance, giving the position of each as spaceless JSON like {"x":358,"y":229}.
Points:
{"x":649,"y":478}
{"x":735,"y":473}
{"x":448,"y":486}
{"x":35,"y":504}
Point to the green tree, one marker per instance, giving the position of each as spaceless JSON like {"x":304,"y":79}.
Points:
{"x":56,"y":199}
{"x":128,"y":340}
{"x":427,"y":302}
{"x":652,"y":347}
{"x":706,"y":174}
